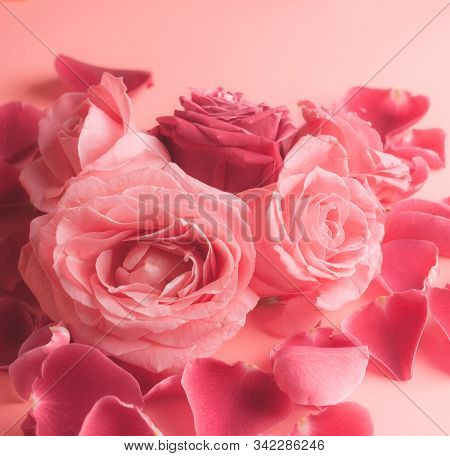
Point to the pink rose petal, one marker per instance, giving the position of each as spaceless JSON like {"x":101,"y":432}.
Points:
{"x":16,"y":325}
{"x":420,"y":222}
{"x":78,"y":75}
{"x":439,"y":302}
{"x":421,"y":205}
{"x":111,"y":416}
{"x":389,"y":110}
{"x":316,"y":368}
{"x":74,"y":377}
{"x":391,"y":327}
{"x":236,"y":399}
{"x":409,"y":264}
{"x":27,"y":367}
{"x":347,"y":418}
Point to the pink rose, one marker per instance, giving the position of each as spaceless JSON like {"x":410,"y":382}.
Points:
{"x":226,"y":141}
{"x":390,"y":177}
{"x":317,"y":231}
{"x":134,"y":262}
{"x":75,"y":132}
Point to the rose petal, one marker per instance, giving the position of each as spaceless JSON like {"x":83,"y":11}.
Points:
{"x":236,"y":399}
{"x":391,"y":327}
{"x":409,"y":264}
{"x":27,"y":367}
{"x":439,"y":302}
{"x":16,"y":325}
{"x":79,"y":76}
{"x":111,"y":416}
{"x":425,"y":226}
{"x":74,"y":377}
{"x":389,"y":110}
{"x":347,"y":418}
{"x":316,"y":368}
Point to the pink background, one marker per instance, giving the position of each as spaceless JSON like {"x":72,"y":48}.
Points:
{"x":274,"y":51}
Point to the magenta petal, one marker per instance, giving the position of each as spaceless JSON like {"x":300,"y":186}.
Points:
{"x":315,"y":368}
{"x":347,"y":418}
{"x":74,"y":377}
{"x":409,"y":264}
{"x":27,"y":367}
{"x":79,"y":76}
{"x":391,"y":327}
{"x":111,"y":416}
{"x":16,"y":325}
{"x":439,"y":302}
{"x":236,"y":399}
{"x":419,"y":225}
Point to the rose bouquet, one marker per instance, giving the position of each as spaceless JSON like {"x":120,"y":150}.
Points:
{"x":132,"y":255}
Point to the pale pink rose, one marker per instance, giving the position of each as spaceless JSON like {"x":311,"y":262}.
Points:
{"x":390,"y":177}
{"x":133,"y":262}
{"x":317,"y":230}
{"x":76,"y":131}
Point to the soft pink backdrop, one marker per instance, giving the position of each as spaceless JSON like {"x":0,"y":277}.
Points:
{"x":274,"y":51}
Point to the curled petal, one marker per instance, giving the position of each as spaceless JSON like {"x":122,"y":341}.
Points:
{"x":111,"y":416}
{"x":389,"y":110}
{"x":439,"y":302}
{"x":409,"y":264}
{"x":391,"y":327}
{"x":27,"y":367}
{"x":236,"y":399}
{"x":421,"y":205}
{"x":347,"y":418}
{"x":16,"y":325}
{"x":79,"y":76}
{"x":73,"y":378}
{"x":316,"y":369}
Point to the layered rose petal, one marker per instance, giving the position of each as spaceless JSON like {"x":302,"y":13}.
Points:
{"x":391,"y":327}
{"x":27,"y":367}
{"x":79,"y":75}
{"x":18,"y":133}
{"x":388,"y":110}
{"x":347,"y":418}
{"x":316,"y":368}
{"x":236,"y":399}
{"x":73,"y":378}
{"x":428,"y":144}
{"x":111,"y":416}
{"x":16,"y":324}
{"x":439,"y":302}
{"x":409,"y":264}
{"x":417,"y":220}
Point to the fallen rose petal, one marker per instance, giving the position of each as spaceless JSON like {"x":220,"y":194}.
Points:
{"x":111,"y":416}
{"x":170,"y":386}
{"x":315,"y":368}
{"x":421,"y":205}
{"x":428,"y":144}
{"x":27,"y":367}
{"x":409,"y":264}
{"x":391,"y":327}
{"x":236,"y":399}
{"x":79,"y":75}
{"x":18,"y":132}
{"x":16,"y":324}
{"x":419,"y":226}
{"x":439,"y":302}
{"x":389,"y":110}
{"x":347,"y":418}
{"x":12,"y":193}
{"x":73,"y":378}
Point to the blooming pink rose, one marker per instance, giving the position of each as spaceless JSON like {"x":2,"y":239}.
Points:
{"x":133,"y":262}
{"x":317,"y":231}
{"x":226,"y":141}
{"x":75,"y":132}
{"x":390,"y":177}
